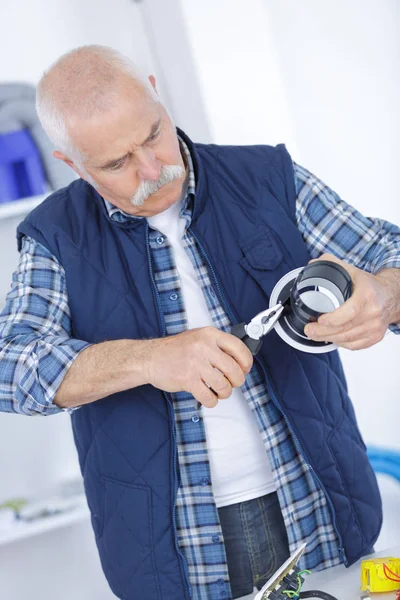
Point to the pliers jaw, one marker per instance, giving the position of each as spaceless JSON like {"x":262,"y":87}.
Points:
{"x":252,"y":333}
{"x":264,"y":322}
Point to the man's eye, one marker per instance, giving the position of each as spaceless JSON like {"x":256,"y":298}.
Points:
{"x":154,"y":136}
{"x":117,"y":165}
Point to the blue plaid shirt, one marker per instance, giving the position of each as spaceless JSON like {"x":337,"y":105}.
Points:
{"x":36,"y":350}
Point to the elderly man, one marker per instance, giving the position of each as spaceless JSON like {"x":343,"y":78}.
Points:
{"x":202,"y":469}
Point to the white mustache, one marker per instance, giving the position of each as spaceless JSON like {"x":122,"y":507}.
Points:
{"x":146,"y":188}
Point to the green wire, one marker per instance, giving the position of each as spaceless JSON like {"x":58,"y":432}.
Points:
{"x":292,"y":593}
{"x":295,"y":594}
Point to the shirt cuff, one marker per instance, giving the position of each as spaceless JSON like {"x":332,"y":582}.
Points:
{"x":43,"y":371}
{"x":390,"y":263}
{"x":77,"y":346}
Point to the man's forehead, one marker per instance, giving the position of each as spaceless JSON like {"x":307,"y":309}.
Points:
{"x":123,"y":130}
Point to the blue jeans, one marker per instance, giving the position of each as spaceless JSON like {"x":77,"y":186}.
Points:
{"x":255,"y":540}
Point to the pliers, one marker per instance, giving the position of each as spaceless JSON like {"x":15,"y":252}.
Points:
{"x":251,"y":333}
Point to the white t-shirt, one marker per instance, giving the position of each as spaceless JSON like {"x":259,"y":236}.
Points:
{"x":240,"y":468}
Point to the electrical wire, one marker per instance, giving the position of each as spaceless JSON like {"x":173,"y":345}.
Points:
{"x":294,"y":594}
{"x":386,"y":570}
{"x":316,"y":594}
{"x":304,"y":572}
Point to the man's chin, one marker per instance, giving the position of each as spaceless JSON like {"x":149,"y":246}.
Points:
{"x":154,"y":205}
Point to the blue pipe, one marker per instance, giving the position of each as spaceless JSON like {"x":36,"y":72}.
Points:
{"x":374,"y":452}
{"x":385,"y":461}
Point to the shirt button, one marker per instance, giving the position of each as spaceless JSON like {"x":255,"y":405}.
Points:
{"x":204,"y":481}
{"x":173,"y":297}
{"x":160,"y":240}
{"x":195,"y":419}
{"x":220,"y":581}
{"x":215,"y":538}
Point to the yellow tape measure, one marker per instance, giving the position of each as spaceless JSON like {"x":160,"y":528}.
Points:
{"x":377,"y":575}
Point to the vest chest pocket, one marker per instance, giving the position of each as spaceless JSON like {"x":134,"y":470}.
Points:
{"x":263,"y":259}
{"x":125,"y":538}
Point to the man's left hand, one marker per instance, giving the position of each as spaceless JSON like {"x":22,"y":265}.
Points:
{"x":362,"y":321}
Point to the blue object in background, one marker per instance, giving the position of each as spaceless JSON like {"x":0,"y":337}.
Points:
{"x":385,"y":461}
{"x":21,"y":171}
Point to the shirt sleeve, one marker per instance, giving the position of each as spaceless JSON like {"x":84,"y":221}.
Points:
{"x":328,"y":224}
{"x":36,"y":348}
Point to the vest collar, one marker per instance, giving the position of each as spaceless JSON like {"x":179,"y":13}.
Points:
{"x":199,"y":173}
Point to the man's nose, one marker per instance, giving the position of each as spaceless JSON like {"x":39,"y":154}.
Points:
{"x":149,"y":167}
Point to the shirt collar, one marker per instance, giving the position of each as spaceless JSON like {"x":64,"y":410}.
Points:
{"x":116,"y":214}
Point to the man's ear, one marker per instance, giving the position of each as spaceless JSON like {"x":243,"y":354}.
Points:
{"x":60,"y":156}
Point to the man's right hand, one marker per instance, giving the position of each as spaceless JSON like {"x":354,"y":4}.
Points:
{"x":205,"y":362}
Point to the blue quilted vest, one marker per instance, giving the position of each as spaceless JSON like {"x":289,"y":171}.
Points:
{"x":244,"y":221}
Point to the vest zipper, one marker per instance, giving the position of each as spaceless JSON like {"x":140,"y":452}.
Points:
{"x":161,"y":321}
{"x":341,"y":550}
{"x":234,"y":321}
{"x":184,"y":562}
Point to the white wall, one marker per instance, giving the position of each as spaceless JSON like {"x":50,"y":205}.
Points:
{"x":34,"y":34}
{"x":233,"y":53}
{"x":323,"y":77}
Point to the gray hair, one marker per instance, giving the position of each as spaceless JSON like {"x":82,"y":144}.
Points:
{"x":80,"y":84}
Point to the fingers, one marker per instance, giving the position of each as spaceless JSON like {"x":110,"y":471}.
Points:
{"x":224,"y":372}
{"x":345,"y":315}
{"x":353,"y":338}
{"x":220,"y":362}
{"x":360,"y":318}
{"x":236,"y":349}
{"x":332,"y":324}
{"x":204,"y":394}
{"x":361,"y":344}
{"x":343,"y":336}
{"x":218,"y":383}
{"x":230,"y":369}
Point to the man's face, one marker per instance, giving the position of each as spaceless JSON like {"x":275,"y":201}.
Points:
{"x":125,"y":154}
